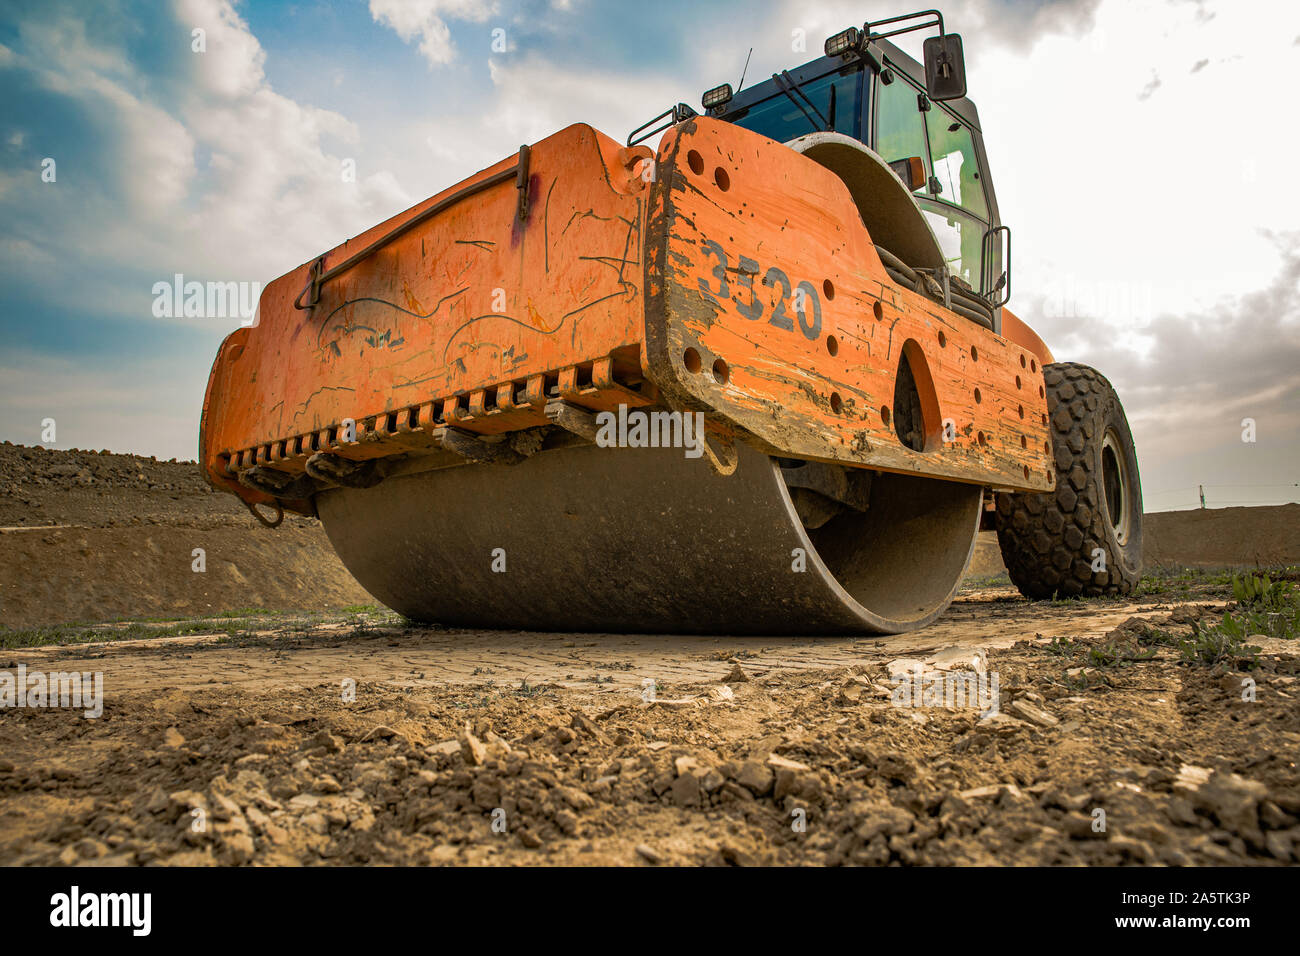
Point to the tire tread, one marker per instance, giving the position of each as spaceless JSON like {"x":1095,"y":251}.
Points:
{"x":1047,"y":539}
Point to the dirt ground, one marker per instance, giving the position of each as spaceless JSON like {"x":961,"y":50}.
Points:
{"x":1136,"y":731}
{"x":93,"y":536}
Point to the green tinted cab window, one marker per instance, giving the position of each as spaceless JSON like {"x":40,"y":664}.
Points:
{"x":955,"y":172}
{"x":953,"y":163}
{"x":900,"y":125}
{"x":961,"y":238}
{"x":837,"y":97}
{"x":947,"y":151}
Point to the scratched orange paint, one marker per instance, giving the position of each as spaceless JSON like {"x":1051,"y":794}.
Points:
{"x":472,"y":317}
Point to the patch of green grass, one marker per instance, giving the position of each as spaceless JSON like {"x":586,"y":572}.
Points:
{"x":59,"y":634}
{"x":1284,"y":623}
{"x":1151,"y":636}
{"x":526,"y":689}
{"x":1216,"y":582}
{"x":364,"y":621}
{"x":249,"y":612}
{"x":1063,"y":647}
{"x":1119,"y":654}
{"x":1086,"y":678}
{"x":1251,"y":590}
{"x":1267,"y":605}
{"x":1223,"y":643}
{"x":1184,"y":582}
{"x":999,"y":580}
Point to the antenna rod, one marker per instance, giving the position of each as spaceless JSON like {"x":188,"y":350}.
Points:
{"x":745,"y":70}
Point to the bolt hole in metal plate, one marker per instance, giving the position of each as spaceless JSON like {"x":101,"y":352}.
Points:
{"x":648,"y":540}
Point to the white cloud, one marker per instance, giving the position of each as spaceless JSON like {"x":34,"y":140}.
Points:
{"x":530,"y":99}
{"x":276,"y":191}
{"x":427,"y":19}
{"x":23,"y":255}
{"x":149,"y":408}
{"x":158,"y":163}
{"x":269,"y":194}
{"x":1167,"y":194}
{"x":231,"y":67}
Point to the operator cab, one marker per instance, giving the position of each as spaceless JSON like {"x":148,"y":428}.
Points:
{"x":877,"y":94}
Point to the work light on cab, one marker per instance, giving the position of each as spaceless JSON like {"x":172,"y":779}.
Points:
{"x":844,"y":42}
{"x":717,"y":97}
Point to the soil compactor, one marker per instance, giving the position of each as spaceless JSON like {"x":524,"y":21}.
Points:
{"x":761,"y":379}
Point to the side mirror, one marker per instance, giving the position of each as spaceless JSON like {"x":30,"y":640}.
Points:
{"x":945,"y":67}
{"x":910,"y":171}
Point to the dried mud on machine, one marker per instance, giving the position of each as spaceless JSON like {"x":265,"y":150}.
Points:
{"x":801,"y":293}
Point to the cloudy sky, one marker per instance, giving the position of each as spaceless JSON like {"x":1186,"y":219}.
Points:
{"x":1141,"y":152}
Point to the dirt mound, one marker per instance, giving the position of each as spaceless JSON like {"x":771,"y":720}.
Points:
{"x":96,"y":574}
{"x":88,"y":536}
{"x":40,"y":486}
{"x":1256,"y":537}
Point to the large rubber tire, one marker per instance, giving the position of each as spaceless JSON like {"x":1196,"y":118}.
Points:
{"x":1049,"y":541}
